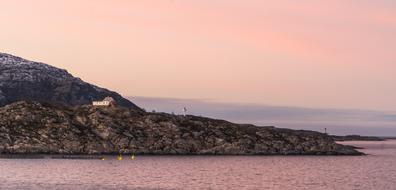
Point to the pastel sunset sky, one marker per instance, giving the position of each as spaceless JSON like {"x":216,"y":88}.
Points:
{"x":322,"y":54}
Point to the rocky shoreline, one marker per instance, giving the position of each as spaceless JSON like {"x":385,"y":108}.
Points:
{"x":35,"y":128}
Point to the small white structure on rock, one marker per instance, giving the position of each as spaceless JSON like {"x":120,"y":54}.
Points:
{"x":108,"y":101}
{"x":184,"y":111}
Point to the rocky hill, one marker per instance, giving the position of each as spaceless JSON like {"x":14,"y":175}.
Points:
{"x":21,"y":79}
{"x":31,"y":128}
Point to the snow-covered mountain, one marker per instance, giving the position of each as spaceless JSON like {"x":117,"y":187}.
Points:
{"x":21,"y":79}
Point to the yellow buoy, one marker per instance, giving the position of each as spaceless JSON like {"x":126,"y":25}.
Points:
{"x":103,"y":158}
{"x":133,"y":157}
{"x":119,"y":157}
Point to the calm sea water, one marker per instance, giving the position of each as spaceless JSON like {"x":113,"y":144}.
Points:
{"x":376,"y":171}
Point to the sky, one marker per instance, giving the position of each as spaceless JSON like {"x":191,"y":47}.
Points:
{"x":306,"y":53}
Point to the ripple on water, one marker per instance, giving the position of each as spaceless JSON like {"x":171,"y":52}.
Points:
{"x":376,"y":171}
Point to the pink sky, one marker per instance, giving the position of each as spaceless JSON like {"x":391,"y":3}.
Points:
{"x":330,"y":53}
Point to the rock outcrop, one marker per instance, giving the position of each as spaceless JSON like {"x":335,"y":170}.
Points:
{"x":33,"y":128}
{"x":21,"y":79}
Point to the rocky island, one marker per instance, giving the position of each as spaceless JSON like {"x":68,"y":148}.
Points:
{"x":46,"y":110}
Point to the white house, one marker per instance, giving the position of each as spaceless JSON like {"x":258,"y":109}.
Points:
{"x":108,"y":101}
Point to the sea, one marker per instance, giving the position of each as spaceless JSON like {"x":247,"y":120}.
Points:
{"x":375,"y":171}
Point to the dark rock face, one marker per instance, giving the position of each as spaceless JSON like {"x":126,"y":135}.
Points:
{"x":21,"y":79}
{"x":29,"y":128}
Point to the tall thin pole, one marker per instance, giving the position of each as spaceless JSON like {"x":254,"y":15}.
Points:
{"x":184,"y":111}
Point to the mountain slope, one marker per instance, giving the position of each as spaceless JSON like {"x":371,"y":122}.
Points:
{"x":21,"y":79}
